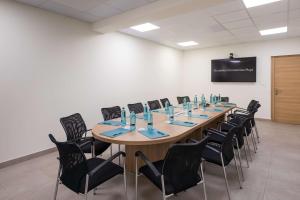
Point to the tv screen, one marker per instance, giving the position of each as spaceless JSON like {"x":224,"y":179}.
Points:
{"x":234,"y":70}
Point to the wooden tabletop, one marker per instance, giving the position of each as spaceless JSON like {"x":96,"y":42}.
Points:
{"x":160,"y":122}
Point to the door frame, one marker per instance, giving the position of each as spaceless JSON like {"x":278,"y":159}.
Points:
{"x":273,"y":83}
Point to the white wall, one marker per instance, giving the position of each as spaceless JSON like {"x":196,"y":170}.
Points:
{"x":197,"y":71}
{"x":52,"y":66}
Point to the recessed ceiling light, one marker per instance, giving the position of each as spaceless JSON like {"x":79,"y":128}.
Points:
{"x":145,"y":27}
{"x":253,"y":3}
{"x":187,"y":44}
{"x":274,"y":31}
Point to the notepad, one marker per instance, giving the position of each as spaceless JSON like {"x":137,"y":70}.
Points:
{"x":200,"y":116}
{"x":111,"y":123}
{"x":152,"y":134}
{"x":115,"y":132}
{"x":182,"y":123}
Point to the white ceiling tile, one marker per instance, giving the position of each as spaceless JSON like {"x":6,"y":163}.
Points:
{"x":126,"y":4}
{"x":81,"y":5}
{"x":246,"y":31}
{"x":294,"y":4}
{"x":233,"y":16}
{"x":65,"y":10}
{"x":267,"y":9}
{"x":226,"y":7}
{"x":294,"y":14}
{"x":32,"y":2}
{"x":104,"y":11}
{"x":271,"y":21}
{"x":239,"y":24}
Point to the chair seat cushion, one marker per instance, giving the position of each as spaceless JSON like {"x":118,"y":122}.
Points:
{"x":169,"y":188}
{"x":100,"y":147}
{"x":105,"y":173}
{"x":157,"y":180}
{"x":213,"y":157}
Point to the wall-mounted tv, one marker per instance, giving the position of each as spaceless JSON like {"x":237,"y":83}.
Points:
{"x":234,"y":70}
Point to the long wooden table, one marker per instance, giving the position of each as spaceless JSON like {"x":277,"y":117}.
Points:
{"x":156,"y":149}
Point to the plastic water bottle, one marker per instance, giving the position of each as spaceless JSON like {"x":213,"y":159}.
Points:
{"x":146,"y":110}
{"x":171,"y":114}
{"x":167,"y":106}
{"x":204,"y":103}
{"x":132,"y":121}
{"x":184,"y":103}
{"x":211,"y":99}
{"x":123,"y":117}
{"x":196,"y":101}
{"x":215,"y":99}
{"x":189,"y":110}
{"x":202,"y":98}
{"x":150,"y":121}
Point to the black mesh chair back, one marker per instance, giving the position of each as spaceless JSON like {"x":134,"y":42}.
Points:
{"x":181,"y":165}
{"x":154,"y":105}
{"x":111,"y":113}
{"x":227,"y":149}
{"x":136,"y":108}
{"x":252,"y":105}
{"x":225,"y":99}
{"x":74,"y":126}
{"x":181,"y":99}
{"x":72,"y":162}
{"x":164,"y":101}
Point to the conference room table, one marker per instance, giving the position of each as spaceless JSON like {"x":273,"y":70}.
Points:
{"x":156,"y":149}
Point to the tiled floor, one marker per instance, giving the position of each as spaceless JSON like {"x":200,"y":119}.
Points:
{"x":274,"y":174}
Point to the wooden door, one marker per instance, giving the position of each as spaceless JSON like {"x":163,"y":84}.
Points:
{"x":286,"y":89}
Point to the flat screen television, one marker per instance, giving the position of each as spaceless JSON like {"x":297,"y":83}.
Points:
{"x":234,"y":70}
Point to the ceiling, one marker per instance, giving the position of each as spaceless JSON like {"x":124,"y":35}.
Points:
{"x":226,"y":22}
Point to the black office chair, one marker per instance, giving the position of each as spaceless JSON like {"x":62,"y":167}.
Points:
{"x":252,"y":109}
{"x":177,"y":172}
{"x":225,"y":99}
{"x":136,"y":108}
{"x":164,"y":101}
{"x":222,"y":154}
{"x":111,"y":113}
{"x":75,"y":129}
{"x":82,"y":175}
{"x":218,"y":135}
{"x":154,"y":105}
{"x":181,"y":99}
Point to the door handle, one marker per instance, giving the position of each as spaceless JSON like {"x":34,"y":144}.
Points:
{"x":276,"y":91}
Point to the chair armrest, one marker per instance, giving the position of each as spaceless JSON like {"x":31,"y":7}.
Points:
{"x":239,"y":108}
{"x":241,"y":111}
{"x":148,"y":163}
{"x":214,"y":131}
{"x":109,"y":160}
{"x":213,"y":149}
{"x":231,"y":124}
{"x":190,"y":140}
{"x":85,"y":143}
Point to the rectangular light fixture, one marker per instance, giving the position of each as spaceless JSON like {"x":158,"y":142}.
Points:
{"x":273,"y":31}
{"x":254,"y":3}
{"x":187,"y":44}
{"x":145,"y":27}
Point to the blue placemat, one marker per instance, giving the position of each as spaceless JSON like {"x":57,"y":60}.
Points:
{"x":111,"y":123}
{"x":153,"y":134}
{"x":200,"y":116}
{"x":215,"y":110}
{"x":115,"y":132}
{"x":182,"y":123}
